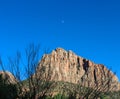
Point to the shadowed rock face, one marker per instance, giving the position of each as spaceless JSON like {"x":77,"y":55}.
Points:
{"x":8,"y":77}
{"x":62,"y":65}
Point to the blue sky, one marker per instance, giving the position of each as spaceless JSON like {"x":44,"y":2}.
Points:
{"x":91,"y":28}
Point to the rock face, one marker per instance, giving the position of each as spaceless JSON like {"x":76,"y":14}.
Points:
{"x":62,"y":65}
{"x":7,"y":77}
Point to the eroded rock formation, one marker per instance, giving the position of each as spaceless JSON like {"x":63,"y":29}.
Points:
{"x":62,"y":65}
{"x":7,"y":77}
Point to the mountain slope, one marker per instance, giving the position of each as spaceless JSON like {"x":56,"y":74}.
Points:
{"x":66,"y":66}
{"x":8,"y":77}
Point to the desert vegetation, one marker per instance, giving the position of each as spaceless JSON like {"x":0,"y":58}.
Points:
{"x":36,"y":86}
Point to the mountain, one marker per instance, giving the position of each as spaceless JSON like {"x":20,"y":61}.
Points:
{"x":62,"y":75}
{"x":8,"y":88}
{"x":7,"y":77}
{"x":66,"y":66}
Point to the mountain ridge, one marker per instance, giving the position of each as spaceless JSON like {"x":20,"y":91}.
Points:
{"x":66,"y":66}
{"x":63,"y":73}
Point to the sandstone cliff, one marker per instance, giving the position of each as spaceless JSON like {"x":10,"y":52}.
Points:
{"x":7,"y":77}
{"x":62,"y":65}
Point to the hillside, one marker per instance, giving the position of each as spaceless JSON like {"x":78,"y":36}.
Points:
{"x":62,"y":75}
{"x":66,"y":66}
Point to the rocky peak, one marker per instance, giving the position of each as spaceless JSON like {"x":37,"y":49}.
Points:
{"x":62,"y":65}
{"x":60,"y":50}
{"x":7,"y":77}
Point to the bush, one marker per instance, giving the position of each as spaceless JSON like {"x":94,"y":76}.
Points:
{"x":7,"y":91}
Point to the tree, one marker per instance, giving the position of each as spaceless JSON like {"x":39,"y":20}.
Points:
{"x":8,"y":90}
{"x":35,"y":86}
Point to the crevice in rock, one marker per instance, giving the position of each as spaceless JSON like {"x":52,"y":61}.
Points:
{"x":78,"y":63}
{"x":85,"y":65}
{"x":95,"y":78}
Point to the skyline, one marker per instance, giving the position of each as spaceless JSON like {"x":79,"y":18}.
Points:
{"x":90,"y":29}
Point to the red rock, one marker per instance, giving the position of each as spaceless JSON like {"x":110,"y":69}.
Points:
{"x":62,"y":65}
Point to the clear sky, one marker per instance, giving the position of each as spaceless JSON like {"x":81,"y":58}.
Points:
{"x":91,"y":28}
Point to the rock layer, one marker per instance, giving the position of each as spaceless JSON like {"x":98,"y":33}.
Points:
{"x":62,"y":65}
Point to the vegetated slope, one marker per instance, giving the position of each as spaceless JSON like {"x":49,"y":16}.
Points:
{"x":8,"y":89}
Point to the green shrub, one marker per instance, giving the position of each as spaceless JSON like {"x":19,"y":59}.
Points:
{"x":60,"y":96}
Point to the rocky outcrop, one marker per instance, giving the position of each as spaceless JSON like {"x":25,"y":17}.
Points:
{"x":62,"y":65}
{"x":7,"y":77}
